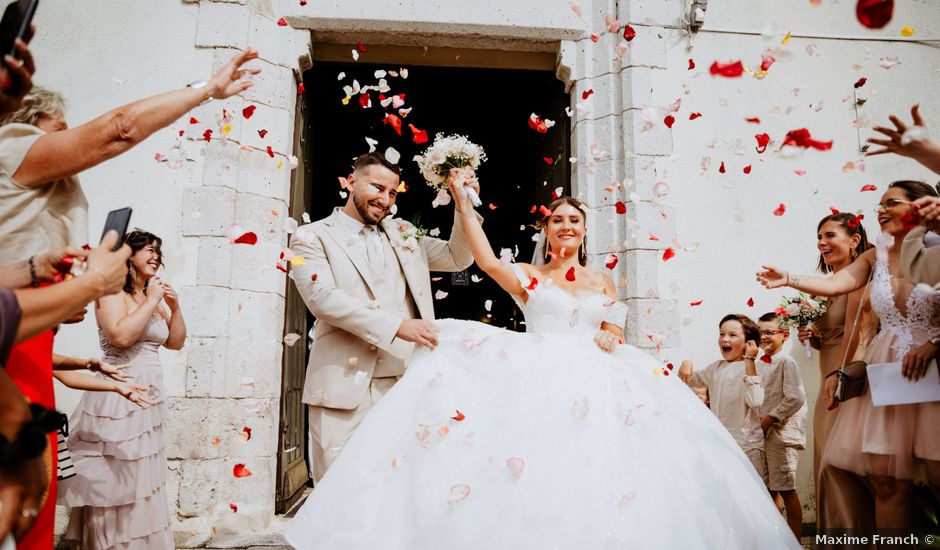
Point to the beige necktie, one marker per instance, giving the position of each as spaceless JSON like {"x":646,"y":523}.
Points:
{"x":374,"y":253}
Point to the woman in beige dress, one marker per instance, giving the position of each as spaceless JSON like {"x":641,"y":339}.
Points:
{"x":840,"y":239}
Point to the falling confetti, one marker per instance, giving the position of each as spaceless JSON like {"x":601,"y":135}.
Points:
{"x":780,"y":210}
{"x":248,"y":111}
{"x":668,"y":254}
{"x":874,"y":14}
{"x":241,"y":471}
{"x":291,"y":339}
{"x":629,"y":33}
{"x":727,"y":70}
{"x":282,"y":22}
{"x":516,"y":465}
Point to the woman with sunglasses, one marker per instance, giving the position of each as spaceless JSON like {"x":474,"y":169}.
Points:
{"x":882,"y":445}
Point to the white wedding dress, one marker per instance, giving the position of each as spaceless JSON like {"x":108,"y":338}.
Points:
{"x":556,"y":445}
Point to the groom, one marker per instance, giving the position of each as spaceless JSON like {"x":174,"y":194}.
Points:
{"x":367,"y":281}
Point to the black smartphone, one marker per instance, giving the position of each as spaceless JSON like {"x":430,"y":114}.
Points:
{"x":15,"y":24}
{"x":118,"y":221}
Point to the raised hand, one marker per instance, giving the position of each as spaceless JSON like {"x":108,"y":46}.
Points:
{"x":772,"y":277}
{"x":16,"y":76}
{"x":170,"y":297}
{"x":111,"y":267}
{"x":908,"y":141}
{"x":232,"y":79}
{"x":155,"y":289}
{"x":51,"y":264}
{"x":928,"y":209}
{"x":751,"y":349}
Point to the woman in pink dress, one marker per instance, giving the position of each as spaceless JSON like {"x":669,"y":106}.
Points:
{"x":117,"y":495}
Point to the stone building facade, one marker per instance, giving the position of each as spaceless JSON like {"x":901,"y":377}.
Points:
{"x":719,"y":223}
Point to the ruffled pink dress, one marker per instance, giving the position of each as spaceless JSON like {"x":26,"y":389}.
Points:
{"x":890,"y":440}
{"x":117,"y":495}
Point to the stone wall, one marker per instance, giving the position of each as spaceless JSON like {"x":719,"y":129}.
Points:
{"x":720,"y":225}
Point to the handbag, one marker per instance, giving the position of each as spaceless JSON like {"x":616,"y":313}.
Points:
{"x":851,"y":378}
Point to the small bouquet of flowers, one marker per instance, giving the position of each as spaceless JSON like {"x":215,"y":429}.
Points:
{"x":800,"y":311}
{"x":448,"y":152}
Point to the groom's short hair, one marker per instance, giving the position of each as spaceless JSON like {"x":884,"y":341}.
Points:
{"x":370,"y":159}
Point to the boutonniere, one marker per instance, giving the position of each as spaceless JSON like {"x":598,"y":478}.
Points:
{"x":410,"y":233}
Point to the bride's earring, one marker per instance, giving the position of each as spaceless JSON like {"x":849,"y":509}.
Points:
{"x":582,"y":251}
{"x":854,"y":253}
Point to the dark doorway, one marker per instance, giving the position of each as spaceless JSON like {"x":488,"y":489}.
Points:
{"x":491,"y":107}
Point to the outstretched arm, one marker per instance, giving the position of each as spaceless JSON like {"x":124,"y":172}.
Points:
{"x":851,"y":278}
{"x":918,"y":146}
{"x":480,"y":246}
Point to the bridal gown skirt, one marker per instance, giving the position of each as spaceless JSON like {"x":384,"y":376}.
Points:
{"x":502,"y":440}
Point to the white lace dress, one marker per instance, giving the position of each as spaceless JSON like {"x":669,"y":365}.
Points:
{"x":890,"y":440}
{"x":501,"y":440}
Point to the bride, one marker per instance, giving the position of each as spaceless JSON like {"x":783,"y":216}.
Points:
{"x":544,"y":440}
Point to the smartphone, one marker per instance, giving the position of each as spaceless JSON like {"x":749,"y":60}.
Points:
{"x":15,"y":24}
{"x":118,"y":221}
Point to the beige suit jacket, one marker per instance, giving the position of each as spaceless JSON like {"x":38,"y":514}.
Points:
{"x":920,"y":264}
{"x":350,"y":318}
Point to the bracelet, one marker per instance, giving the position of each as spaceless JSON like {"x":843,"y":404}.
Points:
{"x":751,"y":357}
{"x":788,"y":279}
{"x":32,"y":438}
{"x":33,"y":280}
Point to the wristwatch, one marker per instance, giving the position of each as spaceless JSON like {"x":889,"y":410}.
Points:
{"x":204,"y":86}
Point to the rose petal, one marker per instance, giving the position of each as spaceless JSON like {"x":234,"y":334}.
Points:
{"x":780,"y":210}
{"x":241,"y":471}
{"x":516,"y":465}
{"x":291,"y":338}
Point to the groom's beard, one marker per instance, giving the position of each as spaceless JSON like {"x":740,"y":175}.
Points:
{"x":362,"y":206}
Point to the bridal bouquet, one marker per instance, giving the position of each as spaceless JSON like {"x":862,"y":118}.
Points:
{"x":800,"y":311}
{"x":448,"y":152}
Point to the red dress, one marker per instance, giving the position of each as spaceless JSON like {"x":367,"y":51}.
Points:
{"x":30,"y":367}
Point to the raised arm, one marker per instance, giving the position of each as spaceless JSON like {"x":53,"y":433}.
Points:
{"x":79,"y":381}
{"x":480,"y":247}
{"x":58,"y":155}
{"x":851,"y":278}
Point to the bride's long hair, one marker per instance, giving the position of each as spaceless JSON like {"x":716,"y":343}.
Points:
{"x":542,"y":248}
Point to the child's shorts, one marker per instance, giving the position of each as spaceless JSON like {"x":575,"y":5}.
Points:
{"x":782,"y":459}
{"x":759,"y":461}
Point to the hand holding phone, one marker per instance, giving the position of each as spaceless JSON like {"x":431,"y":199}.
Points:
{"x":118,"y":220}
{"x":16,"y":23}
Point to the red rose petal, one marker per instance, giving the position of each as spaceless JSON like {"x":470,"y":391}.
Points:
{"x":549,"y":161}
{"x":669,"y":121}
{"x":544,"y":211}
{"x":763,"y":140}
{"x":241,"y":471}
{"x":246,"y":238}
{"x":569,"y":275}
{"x":248,"y":111}
{"x":282,"y":22}
{"x":300,"y":88}
{"x":365,"y":101}
{"x":668,"y":254}
{"x":780,"y":210}
{"x":747,"y":169}
{"x":587,"y":93}
{"x":313,"y":277}
{"x":693,"y":116}
{"x":595,"y":37}
{"x":262,"y":133}
{"x":857,"y":220}
{"x":533,"y":282}
{"x":869,"y":187}
{"x":721,"y":168}
{"x":270,"y":151}
{"x":459,"y":417}
{"x":860,"y":82}
{"x":247,"y":431}
{"x":691,"y":64}
{"x":694,"y":304}
{"x":207,"y":135}
{"x":750,"y":302}
{"x":911,"y":219}
{"x":874,"y":14}
{"x":620,"y":207}
{"x":802,"y":138}
{"x":192,"y":120}
{"x":281,"y":267}
{"x":753,"y":120}
{"x":361,"y":47}
{"x":303,"y":2}
{"x":181,"y":132}
{"x":612,"y":262}
{"x":420,"y":136}
{"x":629,"y":33}
{"x":727,"y":70}
{"x":833,"y":210}
{"x":394,"y":121}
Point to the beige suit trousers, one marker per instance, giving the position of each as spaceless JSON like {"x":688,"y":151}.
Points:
{"x":330,"y":429}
